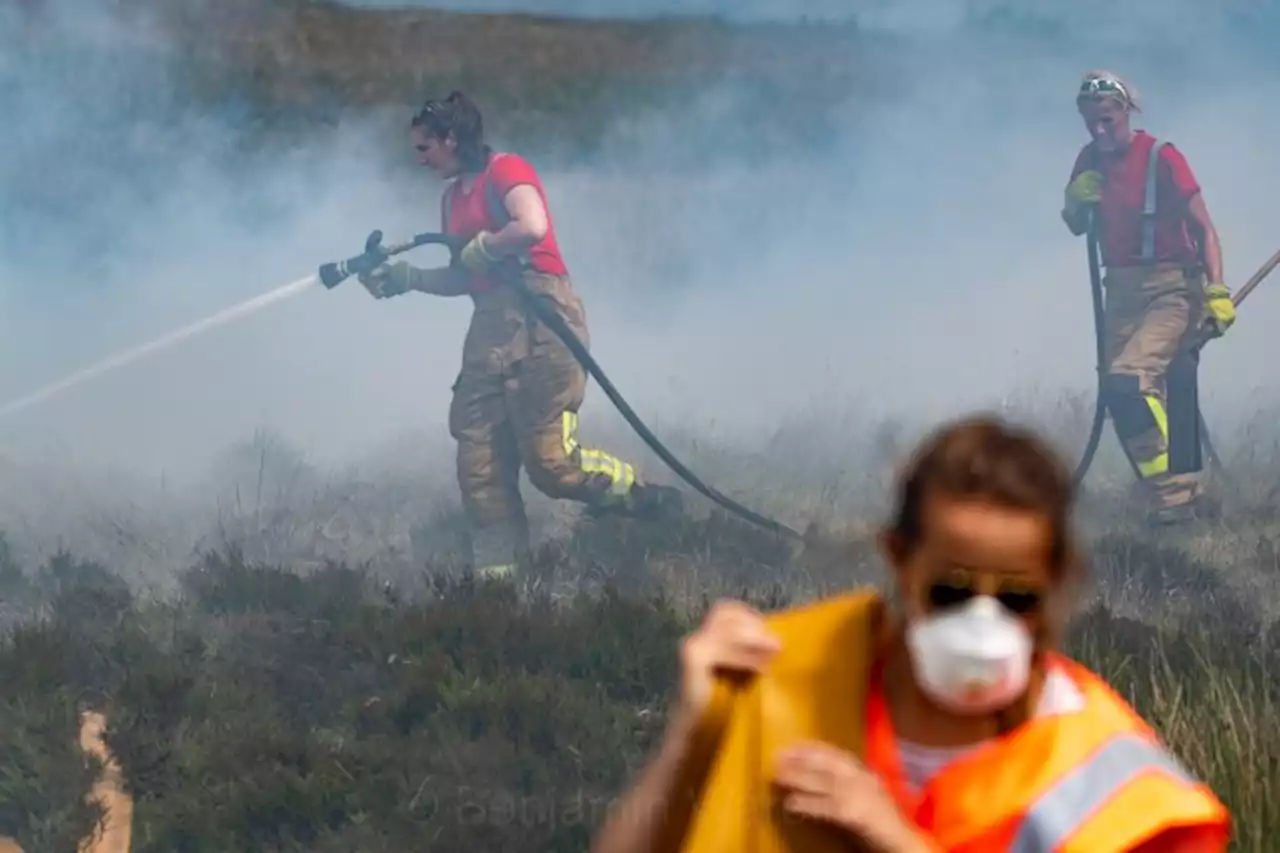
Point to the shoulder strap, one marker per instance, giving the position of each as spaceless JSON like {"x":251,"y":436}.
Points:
{"x":1149,"y":203}
{"x":446,"y":206}
{"x":498,"y":209}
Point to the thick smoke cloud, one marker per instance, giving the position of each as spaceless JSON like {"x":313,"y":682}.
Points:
{"x":916,"y":265}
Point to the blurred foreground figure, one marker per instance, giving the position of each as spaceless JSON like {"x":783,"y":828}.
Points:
{"x":1164,"y":287}
{"x":517,"y":396}
{"x":943,"y":719}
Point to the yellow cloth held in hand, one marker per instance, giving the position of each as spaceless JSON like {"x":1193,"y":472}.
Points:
{"x":815,"y":688}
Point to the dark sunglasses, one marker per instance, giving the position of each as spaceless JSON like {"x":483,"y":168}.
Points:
{"x":944,"y":595}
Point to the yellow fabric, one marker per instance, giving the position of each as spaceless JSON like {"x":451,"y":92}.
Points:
{"x":1086,"y":188}
{"x":475,"y":256}
{"x":1158,"y":464}
{"x":814,"y":689}
{"x":622,"y":475}
{"x":1220,"y":308}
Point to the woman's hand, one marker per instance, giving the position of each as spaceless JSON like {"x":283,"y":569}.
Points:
{"x":733,"y":638}
{"x":821,"y":782}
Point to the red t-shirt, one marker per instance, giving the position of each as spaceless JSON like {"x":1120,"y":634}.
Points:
{"x":467,"y":213}
{"x":1123,"y":195}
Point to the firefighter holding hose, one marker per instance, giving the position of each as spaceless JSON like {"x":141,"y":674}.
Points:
{"x":1164,"y":289}
{"x":515,"y":403}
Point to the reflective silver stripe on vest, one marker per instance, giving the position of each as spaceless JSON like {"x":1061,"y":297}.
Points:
{"x":1149,"y":204}
{"x":1072,"y":800}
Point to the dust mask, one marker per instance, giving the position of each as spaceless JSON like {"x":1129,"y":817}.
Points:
{"x":971,"y":659}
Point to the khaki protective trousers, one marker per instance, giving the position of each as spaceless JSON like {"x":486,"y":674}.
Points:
{"x":1151,"y":316}
{"x":515,"y":404}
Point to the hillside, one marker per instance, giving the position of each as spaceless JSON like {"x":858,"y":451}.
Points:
{"x":298,"y":64}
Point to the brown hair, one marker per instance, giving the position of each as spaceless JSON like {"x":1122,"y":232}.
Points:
{"x":987,"y":458}
{"x":457,"y":115}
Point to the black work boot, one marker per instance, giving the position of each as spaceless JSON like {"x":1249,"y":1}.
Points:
{"x":1171,"y":516}
{"x":1199,"y":508}
{"x":645,"y":500}
{"x":655,"y":501}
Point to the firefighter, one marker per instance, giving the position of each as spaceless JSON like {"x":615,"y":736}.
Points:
{"x":940,"y":718}
{"x":1164,"y":288}
{"x":517,"y":395}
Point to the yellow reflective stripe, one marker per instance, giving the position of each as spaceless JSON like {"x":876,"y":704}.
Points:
{"x":499,"y":571}
{"x":1160,"y":463}
{"x":622,"y":476}
{"x":568,"y":429}
{"x":1061,"y":811}
{"x":1158,"y":412}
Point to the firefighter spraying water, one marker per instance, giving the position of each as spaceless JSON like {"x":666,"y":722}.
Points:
{"x":516,"y":399}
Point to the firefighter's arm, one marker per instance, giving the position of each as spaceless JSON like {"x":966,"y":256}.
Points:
{"x":1206,"y":235}
{"x":387,"y":280}
{"x":443,"y":281}
{"x":527,"y":224}
{"x":1219,"y":307}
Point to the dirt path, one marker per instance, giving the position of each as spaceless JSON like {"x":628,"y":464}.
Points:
{"x":115,"y":833}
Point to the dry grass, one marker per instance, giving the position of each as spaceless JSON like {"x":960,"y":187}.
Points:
{"x":1183,"y":624}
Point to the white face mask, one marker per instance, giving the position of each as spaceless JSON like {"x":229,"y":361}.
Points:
{"x":972,"y":659}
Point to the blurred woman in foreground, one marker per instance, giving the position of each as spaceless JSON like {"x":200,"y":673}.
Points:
{"x":946,"y":722}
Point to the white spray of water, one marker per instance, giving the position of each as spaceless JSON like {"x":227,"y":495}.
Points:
{"x":249,"y":306}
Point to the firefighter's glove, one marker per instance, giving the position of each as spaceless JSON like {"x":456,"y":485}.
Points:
{"x":387,"y":280}
{"x":1085,"y":189}
{"x":1220,"y":308}
{"x":475,"y":255}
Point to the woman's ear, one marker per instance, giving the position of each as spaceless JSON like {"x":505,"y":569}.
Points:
{"x":891,"y":548}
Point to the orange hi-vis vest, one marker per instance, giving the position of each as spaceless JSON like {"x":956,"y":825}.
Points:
{"x":1092,"y":780}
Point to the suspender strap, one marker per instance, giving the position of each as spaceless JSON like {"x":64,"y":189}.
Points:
{"x":497,"y":210}
{"x":1149,"y":204}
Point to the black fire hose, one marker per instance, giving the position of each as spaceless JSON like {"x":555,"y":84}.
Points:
{"x":1099,"y":324}
{"x":333,"y":274}
{"x":1099,"y":328}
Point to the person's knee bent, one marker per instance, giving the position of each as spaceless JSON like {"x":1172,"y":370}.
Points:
{"x":1134,"y":410}
{"x":561,"y":468}
{"x":554,"y":469}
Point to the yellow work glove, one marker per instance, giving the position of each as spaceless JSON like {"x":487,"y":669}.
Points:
{"x":1086,"y":188}
{"x":475,"y":256}
{"x":386,"y":280}
{"x":1220,"y":308}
